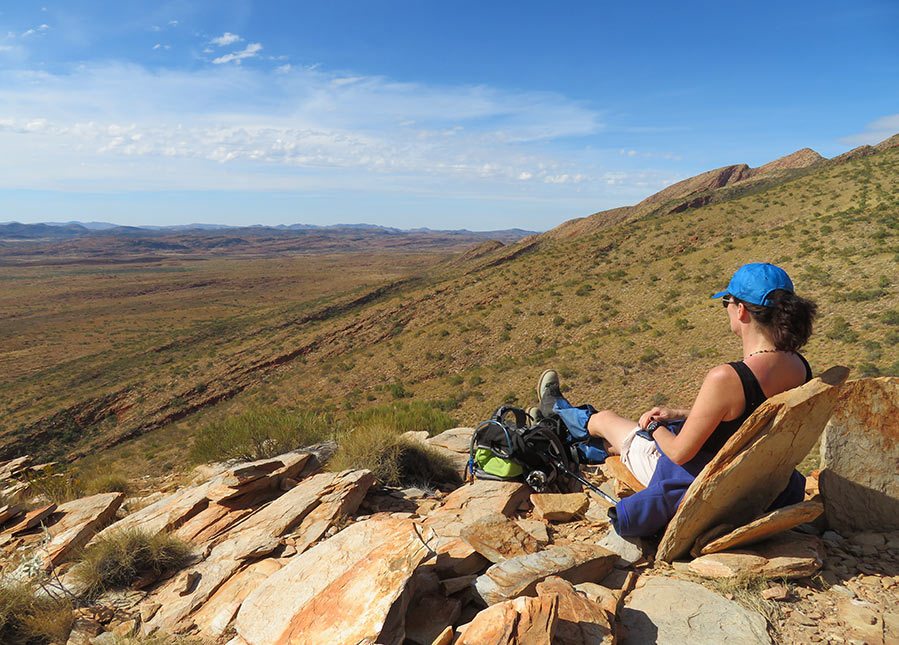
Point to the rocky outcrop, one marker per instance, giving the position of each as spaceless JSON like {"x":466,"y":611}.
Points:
{"x":729,"y":490}
{"x":348,"y":588}
{"x":718,"y":178}
{"x":799,"y":159}
{"x":860,"y":456}
{"x":305,"y":512}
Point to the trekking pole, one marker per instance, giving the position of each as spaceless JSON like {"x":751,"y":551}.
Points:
{"x":558,"y":464}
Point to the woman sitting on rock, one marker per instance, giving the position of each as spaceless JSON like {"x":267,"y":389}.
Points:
{"x":772,"y":323}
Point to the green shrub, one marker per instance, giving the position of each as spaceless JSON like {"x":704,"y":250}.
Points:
{"x":259,"y":434}
{"x":57,"y":487}
{"x":107,"y":483}
{"x":890,"y":317}
{"x":116,"y":560}
{"x":403,"y":416}
{"x":27,"y":615}
{"x":393,"y":459}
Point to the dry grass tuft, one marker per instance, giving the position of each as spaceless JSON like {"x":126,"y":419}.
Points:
{"x":116,"y":560}
{"x":393,"y":459}
{"x":29,"y":616}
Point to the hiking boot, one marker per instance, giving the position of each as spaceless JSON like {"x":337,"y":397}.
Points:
{"x":534,"y":414}
{"x":548,"y":391}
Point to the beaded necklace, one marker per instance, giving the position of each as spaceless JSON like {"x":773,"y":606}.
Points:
{"x":763,"y":351}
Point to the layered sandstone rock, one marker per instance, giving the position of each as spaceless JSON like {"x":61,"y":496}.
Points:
{"x":305,"y":512}
{"x":769,"y":524}
{"x":860,"y":457}
{"x":81,"y":519}
{"x":519,"y":576}
{"x":346,"y":589}
{"x":520,"y":621}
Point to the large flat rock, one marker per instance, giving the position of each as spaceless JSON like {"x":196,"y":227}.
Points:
{"x":499,"y":538}
{"x":80,"y":521}
{"x":472,"y":501}
{"x":344,"y":590}
{"x":519,"y":576}
{"x":666,"y":611}
{"x":860,"y":457}
{"x":786,"y":555}
{"x":767,"y":525}
{"x":755,"y":464}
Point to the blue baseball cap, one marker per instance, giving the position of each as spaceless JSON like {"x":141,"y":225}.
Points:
{"x":753,"y":282}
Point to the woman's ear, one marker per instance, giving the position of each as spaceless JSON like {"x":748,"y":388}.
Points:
{"x":743,"y":314}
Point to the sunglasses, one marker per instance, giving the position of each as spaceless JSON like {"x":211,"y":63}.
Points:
{"x":727,"y":301}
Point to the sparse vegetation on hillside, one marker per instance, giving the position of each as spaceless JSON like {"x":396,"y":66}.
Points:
{"x":624,"y":307}
{"x":259,"y":433}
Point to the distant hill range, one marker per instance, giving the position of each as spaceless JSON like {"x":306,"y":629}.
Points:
{"x":719,"y":185}
{"x":104,"y":240}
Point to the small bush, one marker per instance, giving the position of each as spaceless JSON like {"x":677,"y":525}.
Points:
{"x":890,"y":317}
{"x":259,"y":434}
{"x":108,"y":483}
{"x":27,"y":615}
{"x":57,"y":487}
{"x":403,"y":416}
{"x":393,"y":459}
{"x":118,"y":559}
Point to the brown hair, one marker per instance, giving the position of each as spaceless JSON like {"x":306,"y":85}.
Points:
{"x":789,"y":318}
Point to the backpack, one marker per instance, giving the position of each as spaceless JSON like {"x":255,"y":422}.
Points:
{"x":508,"y":447}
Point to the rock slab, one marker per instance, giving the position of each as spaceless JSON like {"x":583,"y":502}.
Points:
{"x":498,"y":538}
{"x":667,"y":611}
{"x":520,"y":621}
{"x":860,"y":457}
{"x":519,"y":576}
{"x":344,"y":590}
{"x":774,"y":522}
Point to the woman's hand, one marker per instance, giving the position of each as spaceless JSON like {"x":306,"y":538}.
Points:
{"x":662,"y":415}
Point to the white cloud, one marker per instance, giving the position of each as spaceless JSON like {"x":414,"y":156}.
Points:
{"x":173,"y":23}
{"x":250,"y":51}
{"x":226,"y":39}
{"x":283,"y":69}
{"x":124,"y":127}
{"x":875,"y":132}
{"x":28,"y":33}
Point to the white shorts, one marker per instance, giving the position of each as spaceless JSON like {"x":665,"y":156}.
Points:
{"x":640,"y":455}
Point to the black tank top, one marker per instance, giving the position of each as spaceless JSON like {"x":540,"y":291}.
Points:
{"x":754,"y":396}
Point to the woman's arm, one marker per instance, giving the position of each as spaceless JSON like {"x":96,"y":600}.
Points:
{"x":663,"y":415}
{"x":720,"y":398}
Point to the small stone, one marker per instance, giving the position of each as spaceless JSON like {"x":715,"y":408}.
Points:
{"x":555,"y":507}
{"x":801,"y":618}
{"x":867,"y":539}
{"x":832,"y":538}
{"x":777,"y":592}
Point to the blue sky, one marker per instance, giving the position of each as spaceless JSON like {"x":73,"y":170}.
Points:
{"x":479,"y":115}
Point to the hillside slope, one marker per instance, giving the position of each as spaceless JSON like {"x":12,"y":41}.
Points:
{"x":618,"y":302}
